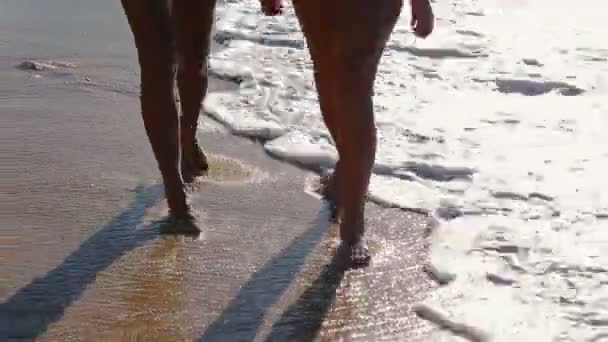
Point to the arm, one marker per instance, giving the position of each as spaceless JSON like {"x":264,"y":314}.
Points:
{"x":271,"y":7}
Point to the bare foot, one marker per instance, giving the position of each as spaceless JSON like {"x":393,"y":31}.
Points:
{"x":194,"y":164}
{"x":353,"y":256}
{"x":329,"y":191}
{"x":179,"y":223}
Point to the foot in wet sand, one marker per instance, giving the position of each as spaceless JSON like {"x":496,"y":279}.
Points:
{"x":194,"y":164}
{"x":352,"y":255}
{"x":180,"y":223}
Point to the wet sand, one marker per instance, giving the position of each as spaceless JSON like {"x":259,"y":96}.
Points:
{"x":497,"y":134}
{"x":82,"y":257}
{"x":85,"y":260}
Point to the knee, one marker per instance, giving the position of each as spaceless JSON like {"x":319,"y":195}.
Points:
{"x":157,"y":97}
{"x":366,"y":139}
{"x":193,"y":61}
{"x":193,"y":66}
{"x":359,"y":143}
{"x":158,"y":73}
{"x":357,"y":118}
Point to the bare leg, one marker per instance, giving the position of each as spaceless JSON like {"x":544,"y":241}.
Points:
{"x":346,"y":39}
{"x":329,"y":184}
{"x":151,"y":25}
{"x":193,"y":23}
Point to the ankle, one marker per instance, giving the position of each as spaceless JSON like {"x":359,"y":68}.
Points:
{"x":178,"y":200}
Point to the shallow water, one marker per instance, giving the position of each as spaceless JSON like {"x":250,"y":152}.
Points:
{"x":496,"y":131}
{"x":81,"y":254}
{"x":495,"y":125}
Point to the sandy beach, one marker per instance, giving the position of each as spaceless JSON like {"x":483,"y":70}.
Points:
{"x":493,"y":128}
{"x":82,"y":258}
{"x":86,"y":262}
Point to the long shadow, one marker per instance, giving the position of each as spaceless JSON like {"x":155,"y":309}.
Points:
{"x":303,"y":319}
{"x":30,"y":311}
{"x":241,"y":320}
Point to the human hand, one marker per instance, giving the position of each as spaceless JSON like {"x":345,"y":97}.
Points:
{"x":271,"y":7}
{"x":423,"y":20}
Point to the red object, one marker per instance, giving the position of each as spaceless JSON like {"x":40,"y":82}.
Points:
{"x":271,"y":7}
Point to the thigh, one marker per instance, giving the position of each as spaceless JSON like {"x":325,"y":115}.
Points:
{"x":152,"y":28}
{"x":347,"y":28}
{"x":345,"y":40}
{"x":193,"y":24}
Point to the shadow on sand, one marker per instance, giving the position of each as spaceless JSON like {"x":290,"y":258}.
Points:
{"x":303,"y":319}
{"x":30,"y":311}
{"x":33,"y":308}
{"x":244,"y":316}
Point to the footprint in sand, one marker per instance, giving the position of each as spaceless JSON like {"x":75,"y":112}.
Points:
{"x":228,"y":171}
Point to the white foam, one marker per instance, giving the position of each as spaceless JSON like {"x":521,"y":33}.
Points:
{"x":303,"y":148}
{"x":496,"y":125}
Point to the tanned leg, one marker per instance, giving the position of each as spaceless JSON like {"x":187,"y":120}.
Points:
{"x":328,"y":181}
{"x":346,"y":39}
{"x":152,"y":28}
{"x":193,"y":23}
